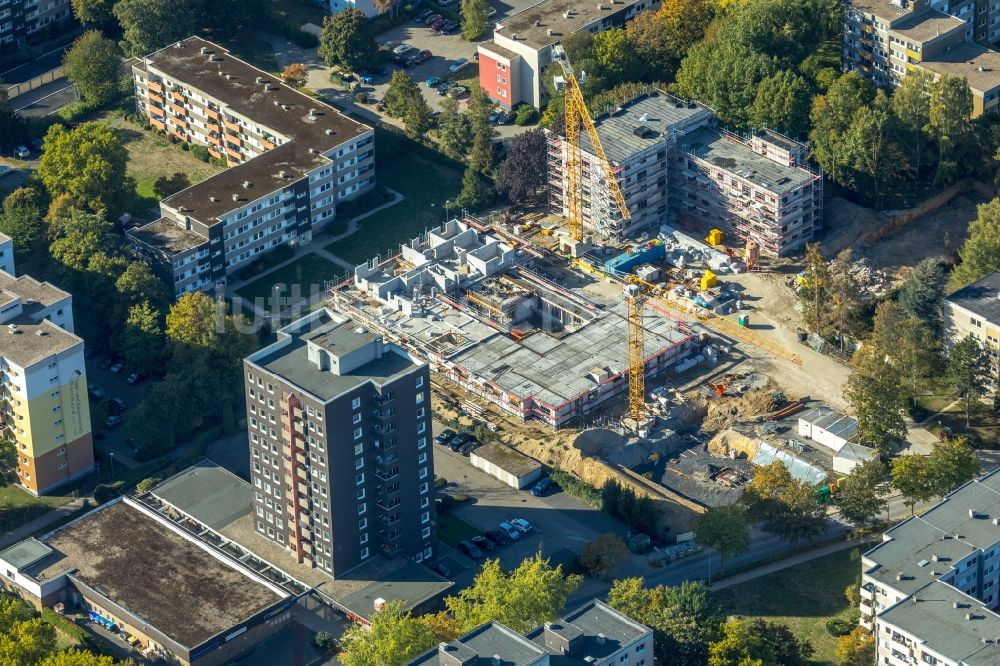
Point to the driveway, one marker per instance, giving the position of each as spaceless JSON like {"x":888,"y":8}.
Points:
{"x":45,"y":100}
{"x":115,"y":386}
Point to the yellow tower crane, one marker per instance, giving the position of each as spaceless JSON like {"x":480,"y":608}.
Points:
{"x":576,"y":115}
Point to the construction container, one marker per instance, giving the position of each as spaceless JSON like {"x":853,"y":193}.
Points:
{"x":648,"y":273}
{"x":708,"y":280}
{"x":714,"y":237}
{"x":743,"y":320}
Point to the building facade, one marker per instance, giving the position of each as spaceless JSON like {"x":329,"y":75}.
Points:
{"x":337,"y":6}
{"x":676,"y":167}
{"x":6,"y":254}
{"x":511,"y":65}
{"x":44,"y":406}
{"x":975,"y":310}
{"x":340,"y":431}
{"x":29,"y":21}
{"x":931,"y":589}
{"x":885,"y":39}
{"x":292,"y":159}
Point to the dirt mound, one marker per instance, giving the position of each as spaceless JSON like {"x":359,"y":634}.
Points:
{"x":723,"y":412}
{"x":731,"y":440}
{"x":598,"y":442}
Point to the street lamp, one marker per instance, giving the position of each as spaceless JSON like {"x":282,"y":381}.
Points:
{"x":447,"y":206}
{"x":111,"y":454}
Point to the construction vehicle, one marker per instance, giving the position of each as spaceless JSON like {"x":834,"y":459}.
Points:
{"x":577,"y":115}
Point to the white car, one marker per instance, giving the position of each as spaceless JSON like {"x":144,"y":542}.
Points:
{"x":512,"y":532}
{"x":402,"y":49}
{"x":22,"y":152}
{"x":521,"y":525}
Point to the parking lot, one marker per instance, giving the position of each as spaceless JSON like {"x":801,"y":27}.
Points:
{"x":110,"y":440}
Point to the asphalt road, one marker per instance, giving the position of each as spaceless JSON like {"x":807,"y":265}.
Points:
{"x":45,"y":100}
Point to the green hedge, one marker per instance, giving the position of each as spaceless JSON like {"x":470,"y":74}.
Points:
{"x":581,"y":490}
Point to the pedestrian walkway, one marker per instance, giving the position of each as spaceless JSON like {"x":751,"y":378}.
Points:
{"x":39,"y":523}
{"x":786,"y":563}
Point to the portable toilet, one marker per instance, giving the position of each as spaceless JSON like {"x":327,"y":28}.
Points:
{"x":714,"y":237}
{"x":743,"y":321}
{"x":707,"y":280}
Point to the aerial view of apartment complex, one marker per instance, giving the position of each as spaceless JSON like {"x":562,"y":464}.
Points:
{"x":43,"y":381}
{"x":512,"y":63}
{"x":675,"y":166}
{"x":885,"y":39}
{"x":339,"y":425}
{"x":25,"y":20}
{"x":292,"y":159}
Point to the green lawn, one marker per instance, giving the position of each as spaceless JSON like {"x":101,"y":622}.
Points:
{"x":17,"y":507}
{"x":451,"y":530}
{"x":297,"y":281}
{"x":425,"y":185}
{"x":804,"y":597}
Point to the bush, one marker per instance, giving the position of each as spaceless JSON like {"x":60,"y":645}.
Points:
{"x":581,"y":490}
{"x":201,"y":152}
{"x":526,"y":115}
{"x":106,"y":492}
{"x":839,"y":626}
{"x":74,"y":111}
{"x":146,"y":484}
{"x":361,"y":98}
{"x":323,"y":640}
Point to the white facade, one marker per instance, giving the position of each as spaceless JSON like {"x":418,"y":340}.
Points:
{"x":828,"y":427}
{"x":366,"y":6}
{"x":514,"y":478}
{"x":6,"y":254}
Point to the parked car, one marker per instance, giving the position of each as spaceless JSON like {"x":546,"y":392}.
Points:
{"x":458,"y":64}
{"x":433,"y":82}
{"x":483,"y":544}
{"x":445,"y":87}
{"x":114,"y":420}
{"x":459,"y":441}
{"x":470,"y":550}
{"x":510,"y":531}
{"x":117,"y":367}
{"x":504,"y":118}
{"x":449,"y":28}
{"x":106,"y":363}
{"x":442,"y":569}
{"x":423,"y":15}
{"x":445,"y":3}
{"x":437,"y":24}
{"x":133,"y":379}
{"x":402,"y":49}
{"x":367,"y":78}
{"x":492,"y":11}
{"x":445,"y":436}
{"x":469,"y":446}
{"x":457,"y":91}
{"x":95,"y":392}
{"x":36,"y":145}
{"x":117,"y":406}
{"x":495,"y":114}
{"x":541,"y":487}
{"x":422,"y":57}
{"x":22,"y":152}
{"x":497,"y":537}
{"x":432,"y":19}
{"x":521,"y":524}
{"x":434,"y":117}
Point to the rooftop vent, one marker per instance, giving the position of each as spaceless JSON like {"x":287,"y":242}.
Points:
{"x":935,"y":557}
{"x":968,"y":616}
{"x":212,"y":198}
{"x":330,"y":132}
{"x":549,"y":32}
{"x":236,"y":197}
{"x":277,"y":103}
{"x":567,"y":13}
{"x":178,"y":45}
{"x":514,"y":36}
{"x":899,"y":576}
{"x":246,"y":184}
{"x":181,"y":209}
{"x":313,"y":114}
{"x":538,"y":23}
{"x":221,"y":73}
{"x":13,"y":329}
{"x":261,"y":79}
{"x":496,"y":661}
{"x":922,"y":563}
{"x":973,"y":514}
{"x":40,"y":333}
{"x":229,"y":77}
{"x":954,"y":604}
{"x":313,"y":151}
{"x":203,"y":50}
{"x":282,"y":174}
{"x":600,"y":6}
{"x":600,"y":639}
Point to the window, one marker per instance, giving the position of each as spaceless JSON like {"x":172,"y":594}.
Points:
{"x":425,"y":533}
{"x":425,"y":517}
{"x":356,"y":403}
{"x":357,"y":433}
{"x":359,"y":479}
{"x":423,"y":472}
{"x":362,"y":509}
{"x":364,"y":553}
{"x":423,"y":488}
{"x":422,"y":458}
{"x":359,"y":449}
{"x":357,"y":418}
{"x":420,"y":382}
{"x":422,"y":443}
{"x":363,"y":524}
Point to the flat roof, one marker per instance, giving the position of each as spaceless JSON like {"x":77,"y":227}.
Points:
{"x":340,"y":337}
{"x":484,"y":641}
{"x":965,"y":59}
{"x":146,"y":567}
{"x":642,"y":123}
{"x":288,"y":359}
{"x":832,"y":421}
{"x":725,"y":152}
{"x":25,"y":553}
{"x":35,"y":295}
{"x":551,"y":15}
{"x":501,"y":51}
{"x":34,"y":341}
{"x":399,"y":579}
{"x":589,"y":621}
{"x":506,"y":458}
{"x":982,"y":297}
{"x":928,"y":25}
{"x":185,"y":63}
{"x":167,"y":235}
{"x":886,"y":9}
{"x":212,"y":493}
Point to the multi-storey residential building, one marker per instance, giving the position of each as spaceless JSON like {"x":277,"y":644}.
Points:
{"x":43,"y":384}
{"x":292,"y":160}
{"x":975,"y":310}
{"x":340,"y":431}
{"x":6,"y":254}
{"x":885,"y":39}
{"x":26,"y":21}
{"x":674,"y":166}
{"x":593,"y":634}
{"x":931,"y":589}
{"x":512,"y":63}
{"x":337,"y":6}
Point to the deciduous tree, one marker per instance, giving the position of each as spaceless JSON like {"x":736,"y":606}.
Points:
{"x":832,"y":115}
{"x":141,"y":340}
{"x":295,"y":75}
{"x":980,"y":253}
{"x":87,"y":163}
{"x":845,"y":302}
{"x":475,"y":19}
{"x":911,"y":476}
{"x":908,"y":345}
{"x":875,"y":394}
{"x":725,"y":529}
{"x":97,"y":13}
{"x":911,"y":107}
{"x":400,"y":94}
{"x":856,"y":648}
{"x":968,"y":370}
{"x":663,"y":37}
{"x":872,"y":152}
{"x":522,"y":172}
{"x":604,"y":554}
{"x":948,"y":120}
{"x":93,"y":64}
{"x":783,"y":505}
{"x":150,"y":24}
{"x":753,"y":640}
{"x":455,"y":132}
{"x":347,"y":41}
{"x":393,"y":638}
{"x":138,"y":284}
{"x":782,"y":102}
{"x":726,"y":76}
{"x":862,"y":494}
{"x":815,"y":291}
{"x":951,"y":463}
{"x":21,"y":219}
{"x":8,"y":463}
{"x":27,"y":642}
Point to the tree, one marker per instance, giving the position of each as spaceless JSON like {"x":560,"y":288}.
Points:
{"x":783,"y":505}
{"x":417,"y":117}
{"x":725,"y":76}
{"x":861,"y":496}
{"x":832,"y":115}
{"x":912,"y":478}
{"x":604,"y":554}
{"x":393,"y":638}
{"x":13,"y":611}
{"x":147,"y":484}
{"x":21,"y":219}
{"x":845,"y":303}
{"x":8,"y":462}
{"x":948,"y":120}
{"x":475,"y":192}
{"x":782,"y":102}
{"x":875,"y":394}
{"x":95,"y":12}
{"x":400,"y":94}
{"x":528,"y":596}
{"x":968,"y":371}
{"x":475,"y":19}
{"x":347,"y":41}
{"x":138,"y":284}
{"x":911,"y":107}
{"x":522,"y":172}
{"x":164,"y":186}
{"x":908,"y":344}
{"x":481,"y":155}
{"x":148,"y":25}
{"x":815,"y":292}
{"x":856,"y":648}
{"x":194,"y":322}
{"x":980,"y":253}
{"x":295,"y":75}
{"x":455,"y":132}
{"x":383,"y":6}
{"x":82,"y":237}
{"x":616,"y":58}
{"x":725,"y":529}
{"x":950,"y":464}
{"x":922,"y":291}
{"x":684,"y":619}
{"x":769,"y":643}
{"x":141,"y":340}
{"x":662,"y":38}
{"x":94,"y":65}
{"x":869,"y":149}
{"x":87,"y":163}
{"x":78,"y":657}
{"x":27,"y":642}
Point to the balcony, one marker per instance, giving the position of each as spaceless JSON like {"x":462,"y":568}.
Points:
{"x":153,"y":85}
{"x":913,"y":54}
{"x":235,"y":156}
{"x":387,"y":475}
{"x":232,"y":127}
{"x":213,"y":114}
{"x":178,"y":110}
{"x":158,"y":124}
{"x":153,"y":97}
{"x":388,"y":504}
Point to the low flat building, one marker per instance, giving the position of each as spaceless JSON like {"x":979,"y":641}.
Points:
{"x":975,"y":310}
{"x":828,"y":427}
{"x":930,"y":591}
{"x":502,"y":462}
{"x":592,"y":635}
{"x":292,"y":159}
{"x":136,"y":571}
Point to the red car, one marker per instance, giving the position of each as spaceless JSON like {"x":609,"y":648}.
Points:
{"x":422,"y":56}
{"x":437,"y":24}
{"x":432,"y":19}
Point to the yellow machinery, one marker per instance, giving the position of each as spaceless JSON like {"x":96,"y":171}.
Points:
{"x":708,"y":280}
{"x":576,"y":115}
{"x":634,"y":297}
{"x":714,"y":237}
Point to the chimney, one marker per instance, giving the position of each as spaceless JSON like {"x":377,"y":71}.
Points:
{"x":601,"y":638}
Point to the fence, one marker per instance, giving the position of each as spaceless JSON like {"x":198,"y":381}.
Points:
{"x":906,"y":217}
{"x":37,"y":82}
